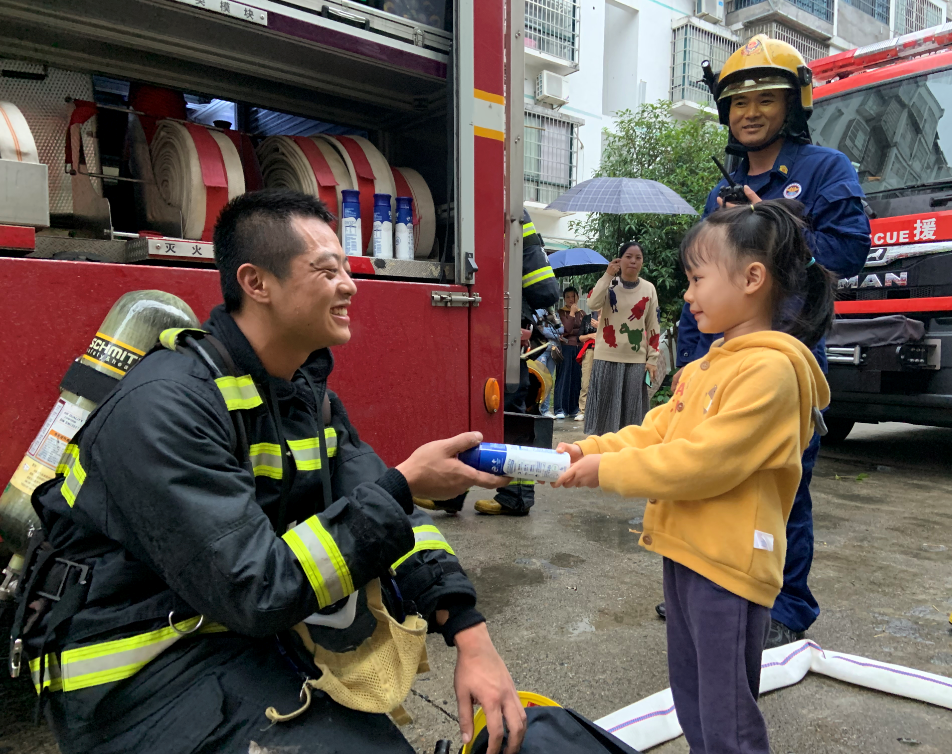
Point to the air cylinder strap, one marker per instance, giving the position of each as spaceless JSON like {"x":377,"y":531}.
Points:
{"x":365,"y":184}
{"x":213,"y":175}
{"x":326,"y":182}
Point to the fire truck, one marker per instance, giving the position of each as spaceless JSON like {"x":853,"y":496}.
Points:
{"x":888,"y":107}
{"x":343,"y":95}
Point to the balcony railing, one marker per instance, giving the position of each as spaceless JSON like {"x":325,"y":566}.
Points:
{"x":552,"y":27}
{"x":878,"y":9}
{"x":810,"y":48}
{"x":822,"y":9}
{"x":551,"y":157}
{"x":691,"y":45}
{"x":916,"y":15}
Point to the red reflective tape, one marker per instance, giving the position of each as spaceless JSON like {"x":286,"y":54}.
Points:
{"x":82,"y":112}
{"x":893,"y":305}
{"x":403,"y":189}
{"x":365,"y":185}
{"x":326,"y":182}
{"x":254,"y":181}
{"x":17,"y":237}
{"x":214,"y":175}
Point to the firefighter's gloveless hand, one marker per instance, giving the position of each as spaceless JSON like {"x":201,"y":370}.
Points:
{"x":751,"y":194}
{"x":482,"y":677}
{"x":434,"y":471}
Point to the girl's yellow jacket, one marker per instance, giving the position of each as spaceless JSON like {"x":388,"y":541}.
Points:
{"x":720,"y":462}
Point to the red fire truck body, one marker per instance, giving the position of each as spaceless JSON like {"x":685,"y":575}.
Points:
{"x":427,"y":334}
{"x":888,"y":107}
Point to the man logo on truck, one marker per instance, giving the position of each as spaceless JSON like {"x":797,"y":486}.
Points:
{"x":874,"y":281}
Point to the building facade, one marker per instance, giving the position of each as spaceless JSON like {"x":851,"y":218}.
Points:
{"x":589,"y":59}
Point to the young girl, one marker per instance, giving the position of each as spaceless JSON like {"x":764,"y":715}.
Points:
{"x":720,"y":462}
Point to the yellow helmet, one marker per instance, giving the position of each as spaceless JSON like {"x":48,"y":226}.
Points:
{"x":543,"y":380}
{"x":765,"y":63}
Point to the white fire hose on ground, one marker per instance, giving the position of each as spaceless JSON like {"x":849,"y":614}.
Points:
{"x":198,"y":171}
{"x":653,"y":720}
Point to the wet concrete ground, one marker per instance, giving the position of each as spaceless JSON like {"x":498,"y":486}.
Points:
{"x":570,"y":600}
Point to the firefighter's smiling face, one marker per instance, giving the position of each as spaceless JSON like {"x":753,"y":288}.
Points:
{"x":311,"y":303}
{"x":756,"y":117}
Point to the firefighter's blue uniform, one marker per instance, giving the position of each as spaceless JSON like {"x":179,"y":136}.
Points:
{"x":826,"y":183}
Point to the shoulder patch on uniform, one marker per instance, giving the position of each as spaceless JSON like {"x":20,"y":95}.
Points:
{"x":793,"y":191}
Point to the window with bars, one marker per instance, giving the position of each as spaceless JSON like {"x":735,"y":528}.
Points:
{"x":822,"y":9}
{"x":552,"y":27}
{"x":691,"y":46}
{"x":551,"y":157}
{"x":916,"y":15}
{"x":810,"y":48}
{"x":878,"y":9}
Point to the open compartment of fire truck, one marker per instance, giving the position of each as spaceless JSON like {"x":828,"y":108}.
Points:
{"x":126,"y":126}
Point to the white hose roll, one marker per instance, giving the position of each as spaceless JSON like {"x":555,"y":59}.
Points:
{"x":289,"y":162}
{"x":188,"y":184}
{"x":423,"y":207}
{"x":382,"y":182}
{"x":338,"y":168}
{"x":16,"y":138}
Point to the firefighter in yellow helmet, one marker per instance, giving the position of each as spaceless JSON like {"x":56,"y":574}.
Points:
{"x":763,"y":65}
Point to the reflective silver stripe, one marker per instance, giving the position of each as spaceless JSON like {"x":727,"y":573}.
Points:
{"x":52,"y":678}
{"x":71,"y":468}
{"x":117,"y":660}
{"x":321,"y":559}
{"x":307,"y":452}
{"x":238,"y":392}
{"x":536,"y":276}
{"x":266,"y":459}
{"x":426,"y":537}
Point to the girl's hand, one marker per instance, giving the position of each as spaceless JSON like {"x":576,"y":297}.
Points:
{"x":574,"y":451}
{"x":653,"y":371}
{"x":584,"y":473}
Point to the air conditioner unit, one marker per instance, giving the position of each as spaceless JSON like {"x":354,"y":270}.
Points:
{"x":712,"y":10}
{"x":552,"y":89}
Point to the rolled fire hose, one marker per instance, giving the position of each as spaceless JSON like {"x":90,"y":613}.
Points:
{"x":305,"y":164}
{"x":410,"y":183}
{"x":198,"y":171}
{"x":130,"y":329}
{"x":653,"y":720}
{"x":16,"y":138}
{"x":369,"y":174}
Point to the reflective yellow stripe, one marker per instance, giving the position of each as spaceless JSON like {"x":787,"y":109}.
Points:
{"x":321,"y":559}
{"x":543,"y":273}
{"x":528,"y":482}
{"x":307,"y":452}
{"x":119,"y":659}
{"x":528,"y":229}
{"x":52,"y":678}
{"x":265,"y":459}
{"x":239,"y":392}
{"x":70,"y":467}
{"x":426,"y":538}
{"x":169,"y":338}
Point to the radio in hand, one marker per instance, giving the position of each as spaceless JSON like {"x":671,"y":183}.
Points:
{"x":733,"y":192}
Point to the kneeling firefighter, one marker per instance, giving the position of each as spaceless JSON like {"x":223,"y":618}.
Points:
{"x":540,"y":290}
{"x":225,"y":565}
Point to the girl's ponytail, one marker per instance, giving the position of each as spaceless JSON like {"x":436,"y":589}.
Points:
{"x":773,"y":232}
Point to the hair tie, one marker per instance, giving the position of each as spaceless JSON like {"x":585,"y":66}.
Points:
{"x":811,"y":262}
{"x":751,"y":207}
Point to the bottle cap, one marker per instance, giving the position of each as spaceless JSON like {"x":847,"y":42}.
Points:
{"x":381,"y":199}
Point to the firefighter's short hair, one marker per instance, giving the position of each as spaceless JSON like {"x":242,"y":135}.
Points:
{"x":257,"y":228}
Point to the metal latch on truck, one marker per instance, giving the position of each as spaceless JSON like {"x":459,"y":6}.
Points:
{"x":442,"y":298}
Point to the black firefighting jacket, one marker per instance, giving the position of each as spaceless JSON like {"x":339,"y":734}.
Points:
{"x":175,"y":521}
{"x":540,"y":289}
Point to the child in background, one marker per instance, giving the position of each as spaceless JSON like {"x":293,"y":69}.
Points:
{"x":720,"y":462}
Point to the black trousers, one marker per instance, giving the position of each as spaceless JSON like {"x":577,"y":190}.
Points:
{"x":568,"y":382}
{"x":715,"y":644}
{"x":222,"y":709}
